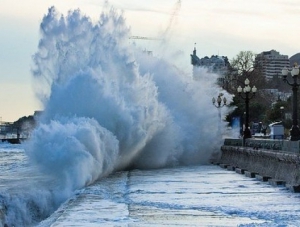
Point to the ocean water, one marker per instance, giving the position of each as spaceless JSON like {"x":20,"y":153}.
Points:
{"x":202,"y":195}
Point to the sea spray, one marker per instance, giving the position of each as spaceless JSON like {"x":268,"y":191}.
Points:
{"x":109,"y":106}
{"x":75,"y":150}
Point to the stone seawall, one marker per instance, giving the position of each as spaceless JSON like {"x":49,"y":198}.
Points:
{"x":276,"y":165}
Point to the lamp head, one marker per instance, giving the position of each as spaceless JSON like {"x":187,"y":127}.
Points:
{"x":284,"y":73}
{"x":239,"y":89}
{"x":295,"y":71}
{"x":247,"y":82}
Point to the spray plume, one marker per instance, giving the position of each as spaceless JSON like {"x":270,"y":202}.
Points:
{"x":109,"y":106}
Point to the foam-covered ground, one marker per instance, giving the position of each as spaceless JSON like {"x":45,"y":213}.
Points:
{"x":189,"y":196}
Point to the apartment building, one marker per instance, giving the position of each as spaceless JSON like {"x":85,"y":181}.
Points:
{"x":271,"y":63}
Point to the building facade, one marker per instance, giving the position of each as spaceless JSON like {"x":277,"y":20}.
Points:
{"x":271,"y":63}
{"x":214,"y":64}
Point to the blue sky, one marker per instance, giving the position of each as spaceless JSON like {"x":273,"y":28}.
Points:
{"x":216,"y":26}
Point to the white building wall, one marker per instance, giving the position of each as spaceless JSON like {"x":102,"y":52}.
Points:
{"x":272,"y":63}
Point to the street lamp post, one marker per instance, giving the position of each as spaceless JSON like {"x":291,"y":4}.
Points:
{"x":282,"y":113}
{"x":219,"y":103}
{"x":219,"y":100}
{"x":294,"y":132}
{"x":246,"y":90}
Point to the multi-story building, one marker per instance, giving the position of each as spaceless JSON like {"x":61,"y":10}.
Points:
{"x":271,"y":63}
{"x":215,"y":64}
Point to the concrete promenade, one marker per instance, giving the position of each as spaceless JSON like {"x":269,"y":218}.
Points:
{"x":275,"y":161}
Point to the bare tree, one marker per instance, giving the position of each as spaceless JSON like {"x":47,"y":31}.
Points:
{"x":244,"y":63}
{"x":241,"y":67}
{"x":244,"y":66}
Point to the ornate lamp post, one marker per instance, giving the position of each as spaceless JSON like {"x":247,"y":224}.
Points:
{"x":294,"y":132}
{"x":219,"y":103}
{"x":246,"y":96}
